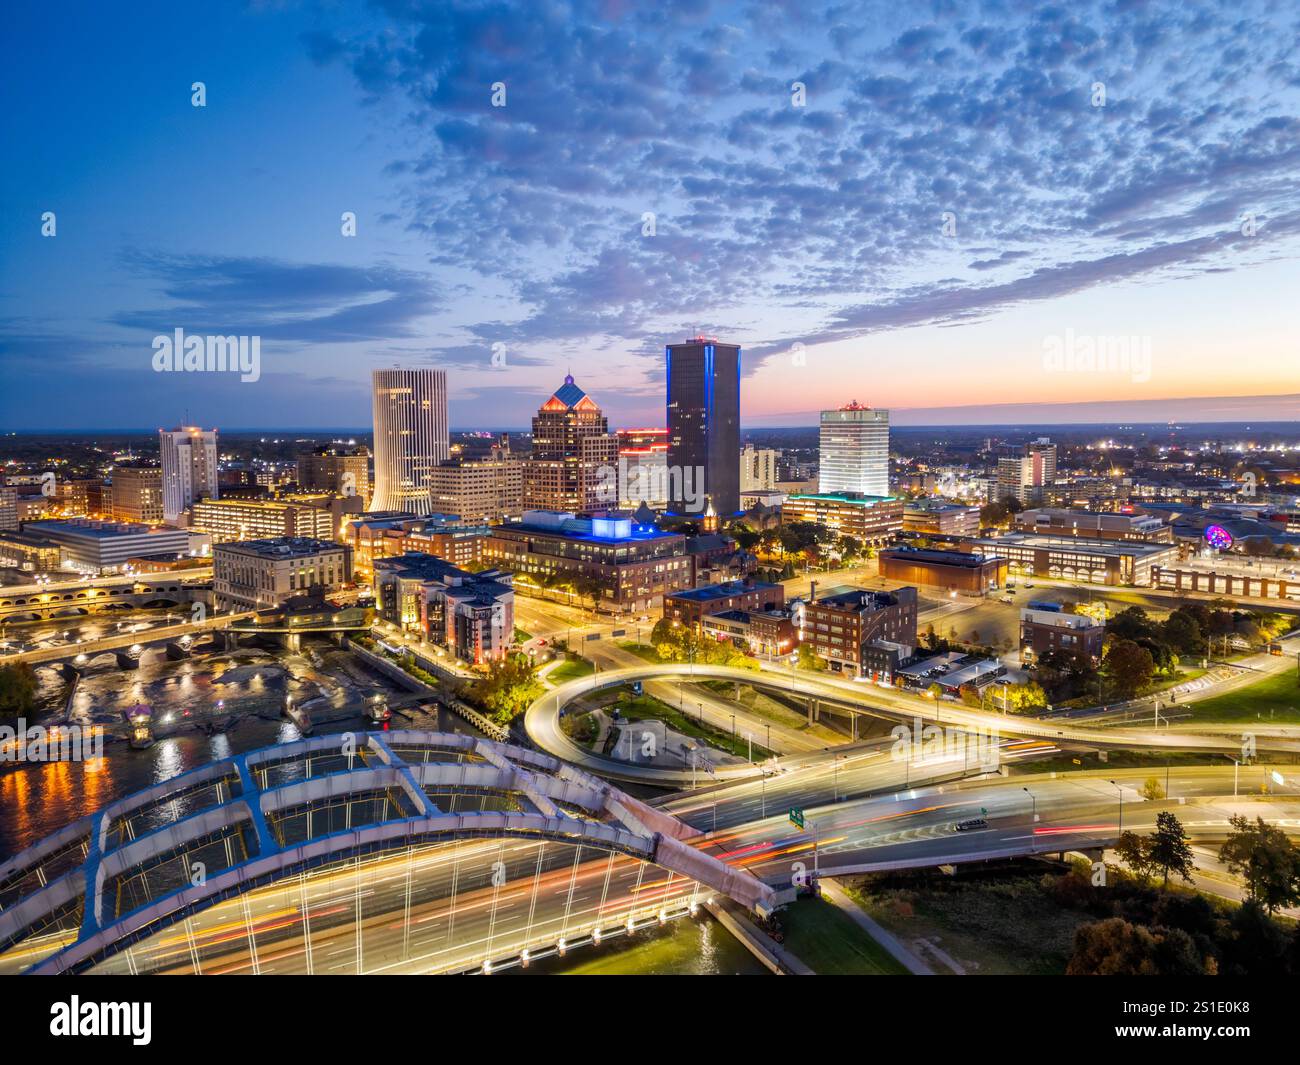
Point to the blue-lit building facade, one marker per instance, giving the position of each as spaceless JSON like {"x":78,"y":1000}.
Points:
{"x":704,"y":425}
{"x":616,"y":564}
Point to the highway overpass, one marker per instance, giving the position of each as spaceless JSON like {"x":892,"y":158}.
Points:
{"x":468,"y":853}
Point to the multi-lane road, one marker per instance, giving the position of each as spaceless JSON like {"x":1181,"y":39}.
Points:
{"x":450,"y":907}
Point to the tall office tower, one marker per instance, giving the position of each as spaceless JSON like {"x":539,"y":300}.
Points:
{"x":758,"y":468}
{"x":704,"y":426}
{"x":410,"y":437}
{"x":340,"y":469}
{"x":574,"y":455}
{"x":854,"y":451}
{"x":189,"y":468}
{"x":1029,"y":476}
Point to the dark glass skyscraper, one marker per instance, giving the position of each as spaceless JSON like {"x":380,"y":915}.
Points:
{"x":704,"y":426}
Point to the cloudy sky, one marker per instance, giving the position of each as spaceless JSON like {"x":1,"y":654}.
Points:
{"x":965,"y":212}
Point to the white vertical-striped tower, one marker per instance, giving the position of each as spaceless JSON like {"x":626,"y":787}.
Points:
{"x":854,"y":452}
{"x":410,"y":413}
{"x":189,"y":468}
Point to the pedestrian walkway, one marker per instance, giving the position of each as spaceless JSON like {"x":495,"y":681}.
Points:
{"x":834,"y":894}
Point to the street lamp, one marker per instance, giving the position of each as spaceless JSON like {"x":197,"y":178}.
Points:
{"x":1121,"y":807}
{"x":1033,"y":799}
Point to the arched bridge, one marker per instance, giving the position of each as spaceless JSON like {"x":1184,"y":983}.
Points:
{"x":93,"y":596}
{"x":402,"y":851}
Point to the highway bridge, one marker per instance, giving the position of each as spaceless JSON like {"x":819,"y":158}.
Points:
{"x":403,"y":851}
{"x":542,"y":719}
{"x":422,"y":852}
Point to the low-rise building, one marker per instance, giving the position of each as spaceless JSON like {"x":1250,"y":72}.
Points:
{"x":29,"y":552}
{"x":101,"y":547}
{"x":1094,"y":525}
{"x":387,"y":536}
{"x":1044,"y":628}
{"x":469,"y":614}
{"x":691,"y":606}
{"x":763,"y":633}
{"x":230,"y":520}
{"x":871,"y":520}
{"x":959,"y":571}
{"x":1112,"y":562}
{"x":927,"y":517}
{"x":617,"y":564}
{"x":261,"y":574}
{"x":844,"y":622}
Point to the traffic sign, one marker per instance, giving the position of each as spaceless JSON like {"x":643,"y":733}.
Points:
{"x":796,"y":817}
{"x":619,"y":632}
{"x":592,"y":636}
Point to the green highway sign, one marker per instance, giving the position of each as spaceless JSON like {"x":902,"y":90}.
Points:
{"x":796,"y":817}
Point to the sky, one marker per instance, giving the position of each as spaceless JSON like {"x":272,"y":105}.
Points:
{"x":964,"y":212}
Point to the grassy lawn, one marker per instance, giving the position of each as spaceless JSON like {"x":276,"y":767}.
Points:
{"x":642,"y":650}
{"x":641,"y":707}
{"x":1155,"y":760}
{"x":521,"y":636}
{"x":1275,"y":698}
{"x":1003,"y":926}
{"x":831,"y":944}
{"x":571,"y":669}
{"x":755,"y":702}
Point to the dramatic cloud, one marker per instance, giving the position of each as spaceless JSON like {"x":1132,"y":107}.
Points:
{"x":1063,"y":147}
{"x":303,"y":302}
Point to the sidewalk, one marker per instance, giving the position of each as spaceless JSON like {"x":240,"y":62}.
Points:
{"x":834,"y":894}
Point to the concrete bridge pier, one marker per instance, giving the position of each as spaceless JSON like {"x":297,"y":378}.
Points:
{"x":126,"y":660}
{"x":291,"y":641}
{"x":228,"y":638}
{"x":70,"y":672}
{"x":178,"y":651}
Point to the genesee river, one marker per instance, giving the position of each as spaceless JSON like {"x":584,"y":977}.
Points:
{"x":240,"y":693}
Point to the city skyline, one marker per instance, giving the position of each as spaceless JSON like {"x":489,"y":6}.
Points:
{"x":980,"y":214}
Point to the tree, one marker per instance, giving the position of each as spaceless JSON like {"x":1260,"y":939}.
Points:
{"x":1128,"y":668}
{"x":1116,"y":948}
{"x":17,"y":690}
{"x":1065,"y":674}
{"x":1183,"y":634}
{"x":1131,"y":623}
{"x":1263,"y":856}
{"x":1152,"y":789}
{"x":1169,"y":851}
{"x":1135,"y":852}
{"x":508,"y":688}
{"x":809,"y":658}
